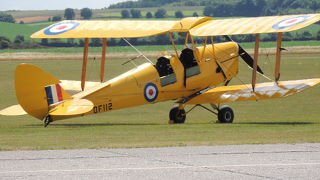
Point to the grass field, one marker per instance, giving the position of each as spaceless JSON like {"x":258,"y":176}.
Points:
{"x":11,"y":30}
{"x":120,"y":49}
{"x":290,"y":120}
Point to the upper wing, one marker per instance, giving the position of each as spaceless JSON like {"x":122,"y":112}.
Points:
{"x":104,"y":29}
{"x":202,"y":26}
{"x":255,"y":25}
{"x":262,"y":91}
{"x":117,"y":28}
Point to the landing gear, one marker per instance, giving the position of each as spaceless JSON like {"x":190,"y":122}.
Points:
{"x":177,"y":115}
{"x":47,"y":121}
{"x":225,"y":115}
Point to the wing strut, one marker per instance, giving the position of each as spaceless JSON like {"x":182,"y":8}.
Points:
{"x":174,"y":44}
{"x":103,"y":59}
{"x":85,"y":62}
{"x":255,"y":61}
{"x":278,"y":57}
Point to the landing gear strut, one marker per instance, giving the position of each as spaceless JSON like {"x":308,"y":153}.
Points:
{"x":47,"y":121}
{"x":225,"y":114}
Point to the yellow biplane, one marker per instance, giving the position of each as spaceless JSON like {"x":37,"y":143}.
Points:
{"x":194,"y":76}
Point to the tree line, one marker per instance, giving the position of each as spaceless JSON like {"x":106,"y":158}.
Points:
{"x":160,"y":13}
{"x":251,"y":8}
{"x":70,"y":14}
{"x":228,"y":8}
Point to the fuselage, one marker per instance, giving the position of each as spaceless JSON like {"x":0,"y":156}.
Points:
{"x":147,"y":84}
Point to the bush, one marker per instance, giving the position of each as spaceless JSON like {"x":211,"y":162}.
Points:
{"x":4,"y":42}
{"x":161,"y":13}
{"x":179,"y":14}
{"x":7,"y":18}
{"x":71,"y":42}
{"x":69,"y":14}
{"x":96,"y":42}
{"x":19,"y":39}
{"x":125,"y":13}
{"x":306,"y":35}
{"x":287,"y":36}
{"x":195,"y":14}
{"x":135,"y":13}
{"x":149,"y":15}
{"x":208,"y":11}
{"x":86,"y":13}
{"x":44,"y":42}
{"x":56,"y":18}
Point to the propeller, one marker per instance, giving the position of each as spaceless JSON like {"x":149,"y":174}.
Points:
{"x":245,"y":55}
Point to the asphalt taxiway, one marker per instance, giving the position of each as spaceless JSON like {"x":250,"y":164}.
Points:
{"x":279,"y":161}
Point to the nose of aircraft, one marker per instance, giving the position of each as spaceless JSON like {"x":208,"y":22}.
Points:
{"x":245,"y":56}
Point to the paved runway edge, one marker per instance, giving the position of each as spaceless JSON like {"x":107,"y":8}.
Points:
{"x":270,"y":161}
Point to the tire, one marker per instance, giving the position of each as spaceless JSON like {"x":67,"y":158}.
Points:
{"x":178,"y":116}
{"x":47,"y":121}
{"x":225,"y":115}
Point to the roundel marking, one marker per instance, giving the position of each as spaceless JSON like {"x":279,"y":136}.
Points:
{"x":61,"y":28}
{"x":151,"y":92}
{"x":289,"y":22}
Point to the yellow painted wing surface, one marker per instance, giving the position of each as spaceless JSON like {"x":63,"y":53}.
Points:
{"x":254,"y":25}
{"x":74,"y":87}
{"x":202,"y":26}
{"x":117,"y":28}
{"x":14,"y":110}
{"x":262,"y":91}
{"x":105,"y":29}
{"x":72,"y":108}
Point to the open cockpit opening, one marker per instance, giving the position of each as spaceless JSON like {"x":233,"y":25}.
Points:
{"x":165,"y":70}
{"x":189,"y":62}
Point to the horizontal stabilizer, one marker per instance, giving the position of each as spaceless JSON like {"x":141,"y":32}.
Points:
{"x":74,"y":87}
{"x":262,"y":91}
{"x":72,"y":108}
{"x":15,"y":110}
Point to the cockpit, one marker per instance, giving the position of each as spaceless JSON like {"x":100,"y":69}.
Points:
{"x":166,"y":72}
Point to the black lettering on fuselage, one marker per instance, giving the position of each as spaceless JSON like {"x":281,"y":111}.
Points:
{"x":102,"y":108}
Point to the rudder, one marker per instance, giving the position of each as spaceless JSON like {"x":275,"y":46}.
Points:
{"x":32,"y":85}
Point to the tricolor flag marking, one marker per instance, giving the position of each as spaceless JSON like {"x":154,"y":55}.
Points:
{"x":54,"y":93}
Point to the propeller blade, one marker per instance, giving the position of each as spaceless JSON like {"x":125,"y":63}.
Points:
{"x":245,"y":55}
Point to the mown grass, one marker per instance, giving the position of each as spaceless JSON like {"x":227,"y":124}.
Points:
{"x":120,"y":49}
{"x":290,"y":120}
{"x":11,"y":30}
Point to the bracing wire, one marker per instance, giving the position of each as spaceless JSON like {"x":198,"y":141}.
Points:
{"x":140,"y":53}
{"x":267,"y":52}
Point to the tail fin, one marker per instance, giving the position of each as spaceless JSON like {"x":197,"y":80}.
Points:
{"x":37,"y":89}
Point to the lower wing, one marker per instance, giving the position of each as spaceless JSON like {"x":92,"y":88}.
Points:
{"x":262,"y":91}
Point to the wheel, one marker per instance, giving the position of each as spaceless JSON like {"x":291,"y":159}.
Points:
{"x":47,"y":121}
{"x":178,"y":116}
{"x":225,"y":115}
